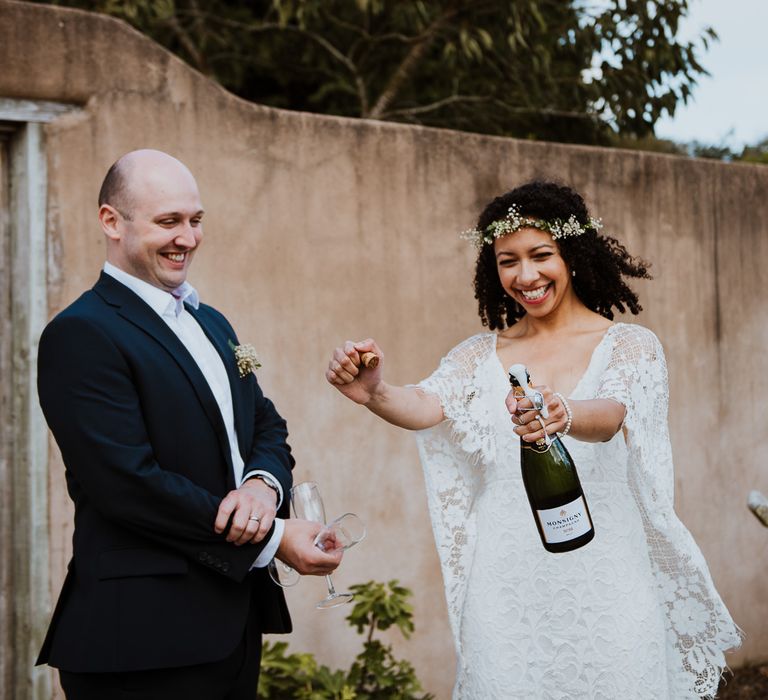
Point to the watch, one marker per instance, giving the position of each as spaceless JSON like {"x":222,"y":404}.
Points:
{"x":271,"y":482}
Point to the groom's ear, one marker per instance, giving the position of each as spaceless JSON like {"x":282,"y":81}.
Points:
{"x":110,"y":220}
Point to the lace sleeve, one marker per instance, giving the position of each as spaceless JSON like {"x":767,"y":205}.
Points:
{"x":473,"y":423}
{"x":448,"y":455}
{"x":699,"y":627}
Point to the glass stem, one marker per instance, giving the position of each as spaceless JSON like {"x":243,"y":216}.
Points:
{"x":331,"y":589}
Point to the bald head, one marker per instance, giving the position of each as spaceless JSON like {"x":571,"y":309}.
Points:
{"x":130,"y":176}
{"x":151,"y":214}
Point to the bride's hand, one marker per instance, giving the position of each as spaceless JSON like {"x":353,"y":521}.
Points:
{"x":527,"y":423}
{"x":349,"y":377}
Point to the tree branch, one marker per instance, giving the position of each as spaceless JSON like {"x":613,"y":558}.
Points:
{"x":360,"y":89}
{"x":196,"y":56}
{"x":373,"y":38}
{"x":457,"y":99}
{"x":408,"y":65}
{"x":432,"y":106}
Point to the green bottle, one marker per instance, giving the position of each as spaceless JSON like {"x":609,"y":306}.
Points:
{"x":549,"y":475}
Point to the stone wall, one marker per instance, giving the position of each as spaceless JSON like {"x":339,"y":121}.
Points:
{"x":320,"y":229}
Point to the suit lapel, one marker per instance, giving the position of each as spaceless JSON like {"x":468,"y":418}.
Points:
{"x":131,"y":307}
{"x":221,"y":343}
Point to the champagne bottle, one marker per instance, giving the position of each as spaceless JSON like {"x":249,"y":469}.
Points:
{"x":549,"y":475}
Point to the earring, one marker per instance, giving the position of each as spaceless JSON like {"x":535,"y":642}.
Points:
{"x":573,"y":273}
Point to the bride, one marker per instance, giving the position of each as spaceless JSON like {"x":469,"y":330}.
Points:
{"x":634,"y":613}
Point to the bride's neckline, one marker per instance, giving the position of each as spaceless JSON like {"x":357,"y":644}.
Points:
{"x":592,"y":357}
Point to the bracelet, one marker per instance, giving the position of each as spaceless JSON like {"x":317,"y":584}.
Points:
{"x":568,"y":413}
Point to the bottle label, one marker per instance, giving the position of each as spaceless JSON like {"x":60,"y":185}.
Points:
{"x":566,"y":522}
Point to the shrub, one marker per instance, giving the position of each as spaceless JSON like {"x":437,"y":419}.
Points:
{"x":375,"y":674}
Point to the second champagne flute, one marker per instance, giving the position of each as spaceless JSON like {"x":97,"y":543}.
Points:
{"x":308,"y":505}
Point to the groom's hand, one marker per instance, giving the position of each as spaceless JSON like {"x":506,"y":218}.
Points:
{"x":252,"y":510}
{"x":298,"y":549}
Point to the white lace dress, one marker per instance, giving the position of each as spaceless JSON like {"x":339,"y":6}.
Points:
{"x":634,"y":613}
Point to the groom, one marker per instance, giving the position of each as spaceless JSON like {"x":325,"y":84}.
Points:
{"x":176,"y":462}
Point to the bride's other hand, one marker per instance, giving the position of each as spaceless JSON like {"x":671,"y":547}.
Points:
{"x":346,"y":373}
{"x":527,"y":424}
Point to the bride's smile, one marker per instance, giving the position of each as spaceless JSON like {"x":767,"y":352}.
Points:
{"x":532,"y":271}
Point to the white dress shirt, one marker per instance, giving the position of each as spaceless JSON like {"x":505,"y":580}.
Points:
{"x":170,"y":307}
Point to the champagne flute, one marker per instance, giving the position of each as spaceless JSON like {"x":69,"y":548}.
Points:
{"x":342,"y":533}
{"x":308,"y":505}
{"x":282,"y":574}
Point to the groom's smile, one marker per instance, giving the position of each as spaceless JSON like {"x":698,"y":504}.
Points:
{"x":176,"y":260}
{"x":154,"y":231}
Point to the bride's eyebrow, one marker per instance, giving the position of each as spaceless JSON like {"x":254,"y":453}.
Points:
{"x":540,"y":246}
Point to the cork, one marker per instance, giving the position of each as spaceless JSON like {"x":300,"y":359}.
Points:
{"x":369,"y":360}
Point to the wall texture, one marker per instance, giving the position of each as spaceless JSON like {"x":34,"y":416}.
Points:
{"x":322,"y":229}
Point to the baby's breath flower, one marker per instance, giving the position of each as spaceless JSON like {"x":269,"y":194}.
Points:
{"x":514,"y":221}
{"x":246,"y":358}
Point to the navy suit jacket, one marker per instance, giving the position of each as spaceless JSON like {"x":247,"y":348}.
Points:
{"x":150,"y":584}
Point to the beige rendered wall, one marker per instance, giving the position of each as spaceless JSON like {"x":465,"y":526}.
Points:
{"x":320,"y":229}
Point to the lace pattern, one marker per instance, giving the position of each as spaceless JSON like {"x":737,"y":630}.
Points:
{"x":699,"y":627}
{"x":451,"y":474}
{"x":628,"y":366}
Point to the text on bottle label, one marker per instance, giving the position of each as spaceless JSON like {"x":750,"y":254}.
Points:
{"x":566,"y":522}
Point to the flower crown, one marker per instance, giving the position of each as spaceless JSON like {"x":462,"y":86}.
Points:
{"x":514,"y":221}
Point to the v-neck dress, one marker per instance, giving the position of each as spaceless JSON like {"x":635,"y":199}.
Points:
{"x":634,"y":613}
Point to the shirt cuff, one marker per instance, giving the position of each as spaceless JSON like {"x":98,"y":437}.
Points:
{"x":268,"y":553}
{"x":271,"y":481}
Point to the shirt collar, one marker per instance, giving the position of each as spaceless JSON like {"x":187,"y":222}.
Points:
{"x":161,"y":302}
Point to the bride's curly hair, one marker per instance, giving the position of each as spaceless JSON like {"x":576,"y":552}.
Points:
{"x":599,"y":262}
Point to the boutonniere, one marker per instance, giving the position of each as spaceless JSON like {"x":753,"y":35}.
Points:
{"x":246,"y":358}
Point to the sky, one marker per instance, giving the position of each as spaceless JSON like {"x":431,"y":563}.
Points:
{"x":729,"y":107}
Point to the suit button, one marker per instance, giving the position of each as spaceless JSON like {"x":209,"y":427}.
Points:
{"x":225,"y":567}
